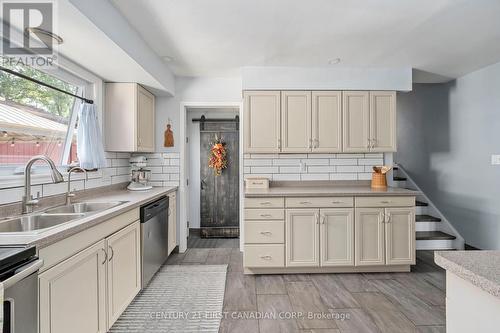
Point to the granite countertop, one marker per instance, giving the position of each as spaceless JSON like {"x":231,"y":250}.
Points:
{"x":52,"y":235}
{"x":327,"y":188}
{"x":481,"y":268}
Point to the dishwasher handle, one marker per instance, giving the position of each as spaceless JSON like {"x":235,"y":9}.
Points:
{"x":153,"y":209}
{"x":23,"y":273}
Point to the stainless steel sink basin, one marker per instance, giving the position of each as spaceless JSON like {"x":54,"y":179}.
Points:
{"x":84,"y":207}
{"x":27,"y":223}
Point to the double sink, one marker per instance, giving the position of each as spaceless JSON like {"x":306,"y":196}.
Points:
{"x":52,"y":217}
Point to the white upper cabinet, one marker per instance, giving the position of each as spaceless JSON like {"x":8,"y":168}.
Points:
{"x":327,"y":121}
{"x":296,"y":121}
{"x":356,"y":127}
{"x":262,"y":121}
{"x":320,"y":121}
{"x":129,"y":118}
{"x":383,"y":121}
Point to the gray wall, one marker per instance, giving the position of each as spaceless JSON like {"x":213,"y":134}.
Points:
{"x":446,"y":136}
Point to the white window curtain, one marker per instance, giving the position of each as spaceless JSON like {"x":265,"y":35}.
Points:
{"x":89,"y":140}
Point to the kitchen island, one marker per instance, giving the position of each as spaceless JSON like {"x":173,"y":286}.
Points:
{"x":472,"y":290}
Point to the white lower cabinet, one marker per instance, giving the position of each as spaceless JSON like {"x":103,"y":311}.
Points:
{"x":124,"y":269}
{"x":337,"y":237}
{"x":87,"y":292}
{"x":400,"y":236}
{"x":385,"y":236}
{"x":73,"y":293}
{"x":172,"y":222}
{"x":302,"y":237}
{"x":330,"y":234}
{"x":369,"y":241}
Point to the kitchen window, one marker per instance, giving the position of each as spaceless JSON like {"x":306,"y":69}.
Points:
{"x":37,"y":120}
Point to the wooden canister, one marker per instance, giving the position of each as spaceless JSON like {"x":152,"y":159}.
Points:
{"x":379,"y":180}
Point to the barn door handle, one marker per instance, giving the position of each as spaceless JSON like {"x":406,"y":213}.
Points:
{"x":203,"y":184}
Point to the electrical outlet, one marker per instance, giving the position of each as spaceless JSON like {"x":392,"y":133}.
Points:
{"x":495,"y":159}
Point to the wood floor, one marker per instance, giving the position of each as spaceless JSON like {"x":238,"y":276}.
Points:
{"x":327,"y":303}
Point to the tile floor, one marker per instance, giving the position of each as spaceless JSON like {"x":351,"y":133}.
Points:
{"x":376,"y":302}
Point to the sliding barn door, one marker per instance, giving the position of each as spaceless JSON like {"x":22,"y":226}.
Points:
{"x":219,"y":194}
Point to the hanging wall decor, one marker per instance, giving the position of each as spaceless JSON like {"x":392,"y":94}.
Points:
{"x":168,"y":136}
{"x":217,"y":159}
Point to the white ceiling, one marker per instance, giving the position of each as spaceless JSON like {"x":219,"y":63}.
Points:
{"x":448,"y":38}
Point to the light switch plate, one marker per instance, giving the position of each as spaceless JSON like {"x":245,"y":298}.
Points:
{"x":495,"y":159}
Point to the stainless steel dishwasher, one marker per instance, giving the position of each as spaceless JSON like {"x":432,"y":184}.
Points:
{"x":154,"y":234}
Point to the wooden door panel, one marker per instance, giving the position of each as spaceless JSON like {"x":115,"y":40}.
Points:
{"x":356,"y":120}
{"x":369,"y":237}
{"x":296,"y":121}
{"x":383,"y":121}
{"x":262,"y":121}
{"x":302,"y":237}
{"x":400,"y":236}
{"x":124,"y":269}
{"x":327,"y":121}
{"x":73,"y":293}
{"x":337,"y":237}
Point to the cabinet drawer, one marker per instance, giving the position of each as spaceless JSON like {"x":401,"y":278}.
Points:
{"x":262,"y":232}
{"x":319,"y":202}
{"x":272,"y":255}
{"x":264,"y":202}
{"x":264,"y":214}
{"x":385,"y":201}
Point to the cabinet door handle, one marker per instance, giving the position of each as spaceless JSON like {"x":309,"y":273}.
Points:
{"x":112,"y":253}
{"x":388,"y":217}
{"x":337,"y":202}
{"x":316,"y":216}
{"x":265,"y":215}
{"x":266,"y":257}
{"x":322,"y":219}
{"x":305,"y":202}
{"x":265,"y":203}
{"x":279,"y":143}
{"x":316,"y":143}
{"x":386,"y":201}
{"x":266,"y":232}
{"x":105,"y":256}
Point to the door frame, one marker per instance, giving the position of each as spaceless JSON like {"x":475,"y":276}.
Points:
{"x":184,"y":171}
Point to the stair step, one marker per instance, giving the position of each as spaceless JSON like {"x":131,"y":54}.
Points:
{"x":433,"y":235}
{"x":422,"y":204}
{"x":427,"y":218}
{"x":399,"y":178}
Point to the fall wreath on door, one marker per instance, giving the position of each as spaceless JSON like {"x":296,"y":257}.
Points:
{"x":217,"y":159}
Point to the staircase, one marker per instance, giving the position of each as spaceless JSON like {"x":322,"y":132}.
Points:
{"x":433,"y":231}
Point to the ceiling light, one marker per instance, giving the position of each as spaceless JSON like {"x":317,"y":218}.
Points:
{"x":334,"y":61}
{"x":44,"y":35}
{"x":167,"y":58}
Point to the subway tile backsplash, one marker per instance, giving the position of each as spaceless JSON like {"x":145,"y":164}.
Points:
{"x":312,"y":166}
{"x":165,"y":171}
{"x":117,"y":171}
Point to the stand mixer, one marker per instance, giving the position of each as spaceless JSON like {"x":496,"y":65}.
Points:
{"x":140,"y":176}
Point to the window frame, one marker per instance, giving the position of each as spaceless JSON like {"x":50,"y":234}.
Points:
{"x":89,"y":86}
